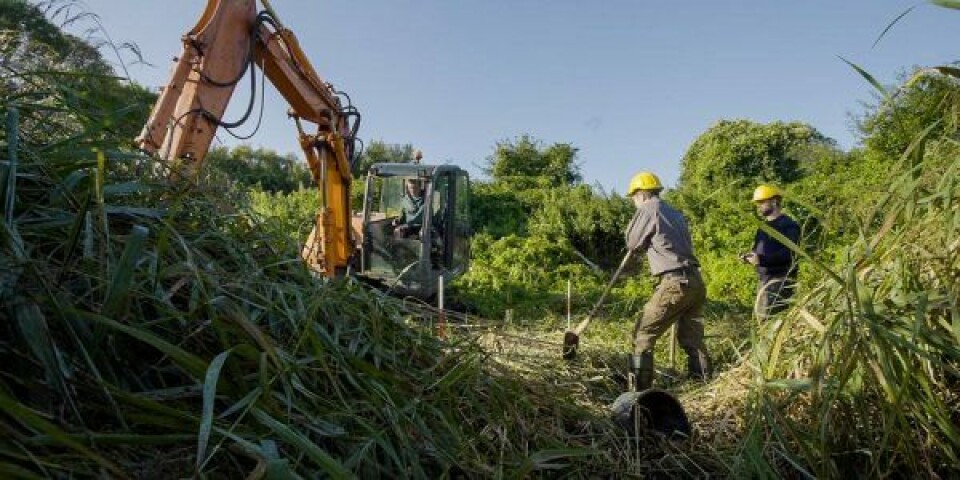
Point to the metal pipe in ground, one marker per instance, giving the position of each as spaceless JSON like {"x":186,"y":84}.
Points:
{"x":673,"y":346}
{"x":441,"y":314}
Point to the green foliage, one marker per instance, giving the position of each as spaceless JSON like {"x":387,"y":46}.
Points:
{"x":380,"y":152}
{"x":525,"y":175}
{"x":872,"y":343}
{"x":529,"y":275}
{"x":739,"y":153}
{"x":497,"y":209}
{"x":537,"y":228}
{"x":591,"y":222}
{"x":891,"y":125}
{"x":153,"y":329}
{"x":525,"y":163}
{"x":39,"y":73}
{"x":37,"y":43}
{"x":285,"y":215}
{"x":260,"y":167}
{"x":874,"y":348}
{"x":510,"y":272}
{"x":720,"y":170}
{"x":158,"y":330}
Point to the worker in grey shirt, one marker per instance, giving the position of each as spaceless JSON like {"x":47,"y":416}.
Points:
{"x":661,"y":232}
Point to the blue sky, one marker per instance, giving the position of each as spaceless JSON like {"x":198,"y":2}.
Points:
{"x":629,"y":83}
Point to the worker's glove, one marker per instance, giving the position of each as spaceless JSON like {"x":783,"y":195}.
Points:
{"x":751,"y":258}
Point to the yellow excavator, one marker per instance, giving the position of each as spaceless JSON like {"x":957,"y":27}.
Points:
{"x":378,"y":244}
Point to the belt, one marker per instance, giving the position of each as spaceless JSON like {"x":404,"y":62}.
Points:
{"x":680,"y":272}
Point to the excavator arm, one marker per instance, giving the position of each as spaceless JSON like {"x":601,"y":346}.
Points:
{"x":228,"y":40}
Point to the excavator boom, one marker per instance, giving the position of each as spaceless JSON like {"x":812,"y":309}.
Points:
{"x":229,"y":39}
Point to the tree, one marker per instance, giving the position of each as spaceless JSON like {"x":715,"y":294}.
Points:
{"x":497,"y":209}
{"x":40,"y":65}
{"x":890,"y":126}
{"x":525,"y":163}
{"x":28,"y":30}
{"x":591,"y":222}
{"x":741,"y":152}
{"x":261,"y":167}
{"x":523,"y":172}
{"x":380,"y":152}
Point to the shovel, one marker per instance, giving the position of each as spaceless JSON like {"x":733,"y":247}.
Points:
{"x":571,"y":339}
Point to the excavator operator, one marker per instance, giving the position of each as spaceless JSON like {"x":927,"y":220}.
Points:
{"x":411,"y":214}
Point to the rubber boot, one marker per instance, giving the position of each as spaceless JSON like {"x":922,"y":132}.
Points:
{"x":698,"y":365}
{"x":633,"y":367}
{"x":642,"y":368}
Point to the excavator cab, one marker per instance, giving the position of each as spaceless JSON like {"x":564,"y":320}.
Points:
{"x":415,"y":227}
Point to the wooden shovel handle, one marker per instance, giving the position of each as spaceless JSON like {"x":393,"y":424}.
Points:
{"x":586,"y":322}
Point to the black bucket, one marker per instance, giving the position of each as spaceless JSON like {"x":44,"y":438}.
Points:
{"x":651,"y":410}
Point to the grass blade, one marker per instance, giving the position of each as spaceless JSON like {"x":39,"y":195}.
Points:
{"x":863,"y":73}
{"x":329,"y":464}
{"x":895,"y":20}
{"x":30,"y":418}
{"x":186,"y":360}
{"x":36,"y":332}
{"x":209,"y":395}
{"x":955,"y":4}
{"x":10,"y":185}
{"x":119,"y":290}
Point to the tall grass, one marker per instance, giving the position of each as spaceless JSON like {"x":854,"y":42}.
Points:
{"x":862,"y":376}
{"x":150,"y":330}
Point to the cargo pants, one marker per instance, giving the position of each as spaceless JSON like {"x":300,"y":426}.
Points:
{"x":678,"y":298}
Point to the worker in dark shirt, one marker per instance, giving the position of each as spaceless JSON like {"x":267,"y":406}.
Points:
{"x":775,"y":263}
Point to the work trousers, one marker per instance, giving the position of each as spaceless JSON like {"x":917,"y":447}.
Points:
{"x":679,"y":299}
{"x":773,"y":295}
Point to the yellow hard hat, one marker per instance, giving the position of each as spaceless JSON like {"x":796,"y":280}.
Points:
{"x":766,"y":192}
{"x":644,"y":181}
